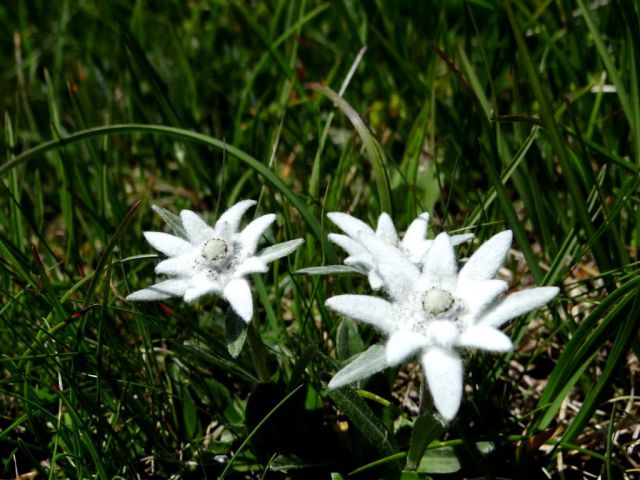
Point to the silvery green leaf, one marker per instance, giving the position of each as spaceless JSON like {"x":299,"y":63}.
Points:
{"x":427,"y":428}
{"x":279,"y":250}
{"x":236,"y":329}
{"x":172,"y":220}
{"x":371,"y":361}
{"x":327,"y":270}
{"x":286,"y":463}
{"x":364,"y":419}
{"x":440,"y":460}
{"x":348,"y":340}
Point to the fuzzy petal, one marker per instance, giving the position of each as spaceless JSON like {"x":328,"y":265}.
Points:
{"x":518,"y":303}
{"x":485,"y":262}
{"x":416,"y":233}
{"x":348,"y":244}
{"x":363,"y":260}
{"x":395,"y":269}
{"x":250,"y":265}
{"x":174,"y":287}
{"x":197,"y":229}
{"x":485,"y":338}
{"x":375,"y":280}
{"x":170,"y":245}
{"x":443,"y":371}
{"x":459,"y":239}
{"x":348,"y":224}
{"x":251,"y":234}
{"x":200,"y":286}
{"x":386,"y":230}
{"x":280,"y":250}
{"x":182,"y":266}
{"x":233,"y":216}
{"x":402,"y":345}
{"x":364,"y":308}
{"x":478,"y":297}
{"x":418,"y":250}
{"x":238,"y":294}
{"x":440,"y":265}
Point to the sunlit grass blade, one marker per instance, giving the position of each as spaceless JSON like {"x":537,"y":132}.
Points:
{"x":374,"y":150}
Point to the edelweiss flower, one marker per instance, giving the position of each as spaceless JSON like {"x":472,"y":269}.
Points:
{"x":414,"y":245}
{"x":437,"y":310}
{"x":214,"y":260}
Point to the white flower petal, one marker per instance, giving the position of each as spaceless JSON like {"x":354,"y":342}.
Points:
{"x":197,"y":229}
{"x":375,"y":280}
{"x":416,"y":233}
{"x":200,"y":286}
{"x":485,"y":262}
{"x":364,"y":308}
{"x":418,"y":250}
{"x":362,"y":259}
{"x":518,"y":303}
{"x":397,"y":272}
{"x":251,"y":234}
{"x":183,"y":265}
{"x":443,"y":371}
{"x":485,"y":338}
{"x":170,"y":245}
{"x":279,"y":250}
{"x":348,"y":244}
{"x":348,"y":224}
{"x":174,"y":287}
{"x":233,"y":216}
{"x":440,"y":265}
{"x":250,"y":265}
{"x":479,"y":296}
{"x":402,"y":345}
{"x":386,"y":230}
{"x":458,"y":239}
{"x":238,"y":294}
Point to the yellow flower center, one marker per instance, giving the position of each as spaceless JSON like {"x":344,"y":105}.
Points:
{"x":214,"y":249}
{"x":437,"y":301}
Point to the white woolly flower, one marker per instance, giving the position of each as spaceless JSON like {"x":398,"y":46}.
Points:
{"x":213,"y":259}
{"x":436,"y":310}
{"x":414,"y":244}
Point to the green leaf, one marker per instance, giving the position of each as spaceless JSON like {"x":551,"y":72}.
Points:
{"x":279,"y":250}
{"x":172,"y":220}
{"x":414,"y":476}
{"x":189,"y":415}
{"x":440,"y":460}
{"x":348,"y":339}
{"x":286,"y":463}
{"x":236,"y":332}
{"x":327,"y":270}
{"x":371,"y":427}
{"x":427,"y":428}
{"x":371,"y":361}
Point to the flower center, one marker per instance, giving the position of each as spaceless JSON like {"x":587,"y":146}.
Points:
{"x":437,"y":301}
{"x":214,"y":249}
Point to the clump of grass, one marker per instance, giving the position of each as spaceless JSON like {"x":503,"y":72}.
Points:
{"x":487,"y":116}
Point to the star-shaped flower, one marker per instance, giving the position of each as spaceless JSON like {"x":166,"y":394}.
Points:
{"x":435,"y":311}
{"x":414,"y":245}
{"x":213,"y":259}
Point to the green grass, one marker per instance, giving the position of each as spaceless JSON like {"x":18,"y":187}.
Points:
{"x":487,"y":115}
